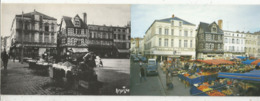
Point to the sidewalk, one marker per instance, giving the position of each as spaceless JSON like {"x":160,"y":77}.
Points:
{"x":179,"y":88}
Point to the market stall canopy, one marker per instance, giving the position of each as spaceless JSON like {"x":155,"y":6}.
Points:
{"x":254,"y":76}
{"x":252,"y":57}
{"x":216,"y":61}
{"x":255,"y":62}
{"x":241,"y":57}
{"x":79,"y":50}
{"x":248,"y":62}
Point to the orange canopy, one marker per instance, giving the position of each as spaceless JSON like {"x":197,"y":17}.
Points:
{"x":255,"y":62}
{"x":216,"y":61}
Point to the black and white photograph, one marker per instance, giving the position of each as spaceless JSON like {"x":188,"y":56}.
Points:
{"x":65,"y":49}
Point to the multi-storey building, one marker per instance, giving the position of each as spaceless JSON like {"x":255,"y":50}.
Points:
{"x":101,"y":40}
{"x":141,"y":47}
{"x":122,"y":36}
{"x":170,"y":37}
{"x":105,"y":41}
{"x":234,"y":44}
{"x":251,"y":45}
{"x":258,"y":44}
{"x":132,"y":49}
{"x":136,"y":44}
{"x":33,"y":32}
{"x":209,"y":41}
{"x":74,"y":34}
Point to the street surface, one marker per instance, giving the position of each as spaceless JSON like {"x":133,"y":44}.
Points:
{"x":155,"y":85}
{"x":19,"y":79}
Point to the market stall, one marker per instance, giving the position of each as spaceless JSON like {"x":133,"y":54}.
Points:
{"x":215,"y":88}
{"x":32,"y":63}
{"x":255,"y":62}
{"x":207,"y":72}
{"x":42,"y":67}
{"x":249,"y":82}
{"x":248,"y":62}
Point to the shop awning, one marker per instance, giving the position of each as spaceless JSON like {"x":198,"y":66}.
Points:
{"x":255,"y":62}
{"x":79,"y":50}
{"x":123,"y":51}
{"x":248,"y":62}
{"x":241,"y":57}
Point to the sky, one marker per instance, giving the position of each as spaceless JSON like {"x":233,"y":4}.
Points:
{"x":235,"y":17}
{"x":116,"y":15}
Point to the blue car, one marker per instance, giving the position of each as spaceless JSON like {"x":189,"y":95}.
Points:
{"x":151,"y":67}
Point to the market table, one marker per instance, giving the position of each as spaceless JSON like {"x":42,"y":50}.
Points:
{"x":202,"y":78}
{"x":42,"y":68}
{"x":194,"y":91}
{"x":32,"y":63}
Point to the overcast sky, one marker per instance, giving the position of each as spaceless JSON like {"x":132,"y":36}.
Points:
{"x":96,"y":14}
{"x":235,"y":17}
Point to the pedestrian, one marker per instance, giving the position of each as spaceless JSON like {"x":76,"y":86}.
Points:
{"x":100,"y":62}
{"x":168,"y":77}
{"x":5,"y":58}
{"x":14,"y":56}
{"x":142,"y":71}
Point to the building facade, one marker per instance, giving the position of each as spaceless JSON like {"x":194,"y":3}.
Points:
{"x":33,"y":32}
{"x":73,"y":34}
{"x":258,"y":44}
{"x":105,"y":41}
{"x":209,"y":41}
{"x":251,"y":45}
{"x":122,"y":37}
{"x":136,"y":45}
{"x":234,"y":44}
{"x":170,"y":37}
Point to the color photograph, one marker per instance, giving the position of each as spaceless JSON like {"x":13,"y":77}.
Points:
{"x":195,"y":50}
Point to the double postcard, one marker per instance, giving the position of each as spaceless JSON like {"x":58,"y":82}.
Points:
{"x":123,"y":49}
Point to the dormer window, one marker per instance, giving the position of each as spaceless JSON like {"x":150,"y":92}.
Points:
{"x":172,"y":23}
{"x":77,"y":22}
{"x":180,"y":24}
{"x":214,"y":28}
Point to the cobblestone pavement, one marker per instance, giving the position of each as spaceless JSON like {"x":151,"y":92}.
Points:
{"x":19,"y":79}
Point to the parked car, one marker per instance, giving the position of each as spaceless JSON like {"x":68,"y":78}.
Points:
{"x":151,"y":67}
{"x":136,"y":59}
{"x":143,"y":59}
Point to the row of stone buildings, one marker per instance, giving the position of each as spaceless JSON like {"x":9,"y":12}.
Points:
{"x":175,"y":37}
{"x":37,"y":33}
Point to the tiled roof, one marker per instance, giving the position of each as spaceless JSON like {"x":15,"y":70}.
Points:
{"x":68,"y":21}
{"x":176,"y":18}
{"x":206,"y":27}
{"x":36,"y":13}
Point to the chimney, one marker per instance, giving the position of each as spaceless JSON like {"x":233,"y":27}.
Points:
{"x":85,"y":18}
{"x":220,"y":24}
{"x":172,"y":15}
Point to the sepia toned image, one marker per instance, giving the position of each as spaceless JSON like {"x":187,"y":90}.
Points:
{"x":65,"y":49}
{"x":195,"y":50}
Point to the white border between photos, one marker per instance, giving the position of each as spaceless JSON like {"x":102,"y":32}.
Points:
{"x":129,"y":98}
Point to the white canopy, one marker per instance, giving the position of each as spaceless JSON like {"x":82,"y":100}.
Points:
{"x":79,"y":50}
